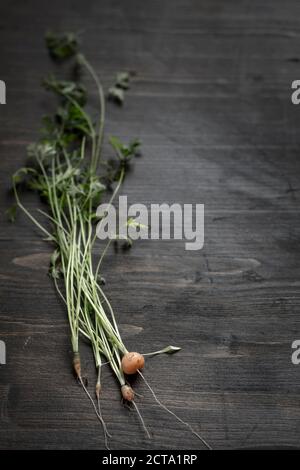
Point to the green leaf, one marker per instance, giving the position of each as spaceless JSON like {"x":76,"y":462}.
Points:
{"x":133,"y":147}
{"x":11,"y":213}
{"x":167,"y":350}
{"x":80,"y":58}
{"x":66,"y":88}
{"x":97,"y":187}
{"x":41,"y":151}
{"x":122,"y":80}
{"x":54,"y":273}
{"x":115,"y":142}
{"x":170,"y":350}
{"x":124,"y":152}
{"x":116,"y":94}
{"x":61,"y":46}
{"x":54,"y":257}
{"x":72,"y":124}
{"x":19,"y":175}
{"x":131,"y":222}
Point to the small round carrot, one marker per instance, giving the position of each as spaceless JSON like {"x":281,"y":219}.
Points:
{"x":132,"y":362}
{"x":127,"y":393}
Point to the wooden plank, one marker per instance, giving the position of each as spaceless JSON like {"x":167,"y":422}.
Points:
{"x":211,"y":103}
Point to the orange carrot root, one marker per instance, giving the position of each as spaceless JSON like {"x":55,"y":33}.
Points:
{"x":127,"y":393}
{"x":132,"y":362}
{"x":77,"y":365}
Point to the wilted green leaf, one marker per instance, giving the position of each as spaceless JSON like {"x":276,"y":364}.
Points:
{"x":170,"y":350}
{"x":122,"y":80}
{"x":166,"y":350}
{"x":116,"y":94}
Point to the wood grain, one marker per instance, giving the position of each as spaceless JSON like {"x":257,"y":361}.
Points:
{"x":211,"y":103}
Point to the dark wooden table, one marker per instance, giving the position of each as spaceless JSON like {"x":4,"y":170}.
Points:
{"x":211,"y":104}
